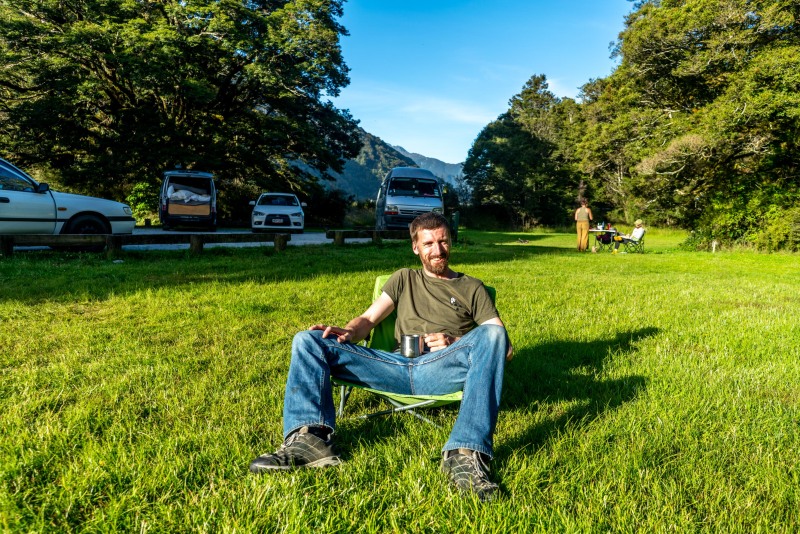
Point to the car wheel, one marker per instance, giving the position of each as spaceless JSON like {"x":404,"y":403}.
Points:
{"x":87,"y":225}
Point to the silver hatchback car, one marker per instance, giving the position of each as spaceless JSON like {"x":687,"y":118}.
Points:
{"x":275,"y":212}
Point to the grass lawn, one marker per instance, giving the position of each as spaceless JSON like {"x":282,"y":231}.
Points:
{"x":651,"y":392}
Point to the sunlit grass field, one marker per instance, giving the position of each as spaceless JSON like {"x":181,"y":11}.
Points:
{"x":654,"y":392}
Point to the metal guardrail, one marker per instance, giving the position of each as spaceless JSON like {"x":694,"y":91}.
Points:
{"x":113,"y":243}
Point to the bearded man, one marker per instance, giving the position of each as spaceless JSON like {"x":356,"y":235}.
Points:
{"x":466,"y":349}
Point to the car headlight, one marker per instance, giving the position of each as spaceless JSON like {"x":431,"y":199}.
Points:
{"x":391,"y":210}
{"x":127,"y":210}
{"x":438,"y":210}
{"x":258,"y":214}
{"x":298,"y":214}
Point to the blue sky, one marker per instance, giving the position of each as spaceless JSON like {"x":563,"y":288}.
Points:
{"x":429,"y":75}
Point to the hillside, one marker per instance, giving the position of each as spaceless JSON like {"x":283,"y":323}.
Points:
{"x":448,"y":172}
{"x":362,"y":176}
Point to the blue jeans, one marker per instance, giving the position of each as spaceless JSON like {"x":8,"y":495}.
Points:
{"x":474,"y":364}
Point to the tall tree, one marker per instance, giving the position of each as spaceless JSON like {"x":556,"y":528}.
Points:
{"x":105,"y":94}
{"x":522,"y":161}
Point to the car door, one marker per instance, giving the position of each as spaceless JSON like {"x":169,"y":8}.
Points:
{"x":22,"y":209}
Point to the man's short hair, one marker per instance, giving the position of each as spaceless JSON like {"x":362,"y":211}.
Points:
{"x":428,"y":221}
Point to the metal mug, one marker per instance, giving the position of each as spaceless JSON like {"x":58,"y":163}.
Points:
{"x":412,"y":345}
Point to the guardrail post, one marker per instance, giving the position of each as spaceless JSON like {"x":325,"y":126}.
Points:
{"x":195,"y":244}
{"x":113,"y":246}
{"x":376,"y":237}
{"x":338,"y":237}
{"x":280,"y":242}
{"x":6,"y":246}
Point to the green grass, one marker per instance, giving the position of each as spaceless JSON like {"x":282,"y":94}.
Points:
{"x":648,"y":392}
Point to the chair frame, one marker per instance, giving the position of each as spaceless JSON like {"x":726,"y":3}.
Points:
{"x":601,"y":246}
{"x":635,"y":246}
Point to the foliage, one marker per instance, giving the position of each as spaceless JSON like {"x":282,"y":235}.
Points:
{"x":105,"y":95}
{"x":143,"y":200}
{"x":698,"y":125}
{"x":327,"y":208}
{"x":517,"y":161}
{"x":360,"y":214}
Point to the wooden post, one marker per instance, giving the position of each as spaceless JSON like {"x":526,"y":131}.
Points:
{"x":113,"y":246}
{"x":195,"y":244}
{"x":376,"y":237}
{"x":338,"y":237}
{"x":6,"y":245}
{"x":280,"y":242}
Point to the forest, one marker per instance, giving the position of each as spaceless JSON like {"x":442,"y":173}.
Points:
{"x":697,"y":126}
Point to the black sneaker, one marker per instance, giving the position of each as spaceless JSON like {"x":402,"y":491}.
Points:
{"x":301,"y":449}
{"x":468,"y":471}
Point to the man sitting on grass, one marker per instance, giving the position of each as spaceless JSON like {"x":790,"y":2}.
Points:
{"x":467,"y":346}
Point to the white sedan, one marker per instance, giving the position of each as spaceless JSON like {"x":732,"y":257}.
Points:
{"x":278,"y":211}
{"x":29,"y":207}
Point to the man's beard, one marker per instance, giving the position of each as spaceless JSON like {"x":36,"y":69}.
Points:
{"x":438,"y":268}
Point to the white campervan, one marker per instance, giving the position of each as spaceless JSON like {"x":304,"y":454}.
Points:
{"x":405,"y":193}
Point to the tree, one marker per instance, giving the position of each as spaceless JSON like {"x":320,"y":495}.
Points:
{"x":521,"y":160}
{"x":104,"y":95}
{"x":723,"y":74}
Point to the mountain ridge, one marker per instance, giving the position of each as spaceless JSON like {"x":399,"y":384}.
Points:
{"x":363,"y":174}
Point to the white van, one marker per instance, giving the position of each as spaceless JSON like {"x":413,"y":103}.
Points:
{"x":405,"y":193}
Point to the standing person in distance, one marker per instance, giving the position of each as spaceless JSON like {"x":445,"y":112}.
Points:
{"x":467,"y":347}
{"x":583,"y":216}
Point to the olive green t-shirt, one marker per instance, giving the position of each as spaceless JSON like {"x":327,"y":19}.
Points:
{"x":427,"y":305}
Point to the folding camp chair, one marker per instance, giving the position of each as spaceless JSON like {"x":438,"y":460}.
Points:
{"x":635,"y":246}
{"x":604,"y":241}
{"x":382,"y":337}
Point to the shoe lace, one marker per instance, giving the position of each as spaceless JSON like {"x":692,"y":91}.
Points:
{"x":480,"y":466}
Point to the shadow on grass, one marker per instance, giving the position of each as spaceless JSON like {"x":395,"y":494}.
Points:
{"x":565,"y":372}
{"x":65,"y":274}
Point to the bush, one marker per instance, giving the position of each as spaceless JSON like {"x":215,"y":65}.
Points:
{"x":143,"y":200}
{"x":779,"y":230}
{"x":327,"y":208}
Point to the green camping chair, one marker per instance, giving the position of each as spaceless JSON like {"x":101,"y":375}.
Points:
{"x":382,"y":338}
{"x":636,"y":246}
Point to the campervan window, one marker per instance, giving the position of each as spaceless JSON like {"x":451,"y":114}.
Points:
{"x":413,"y":187}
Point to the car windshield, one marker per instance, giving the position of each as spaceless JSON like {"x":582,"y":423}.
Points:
{"x":278,"y":200}
{"x":414,"y":187}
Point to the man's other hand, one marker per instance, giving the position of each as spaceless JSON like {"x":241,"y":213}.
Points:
{"x":439,"y":341}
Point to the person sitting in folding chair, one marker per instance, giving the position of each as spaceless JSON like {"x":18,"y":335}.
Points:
{"x":635,"y":236}
{"x":466,"y":348}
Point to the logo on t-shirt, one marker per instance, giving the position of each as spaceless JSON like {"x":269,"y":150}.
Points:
{"x":452,"y":301}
